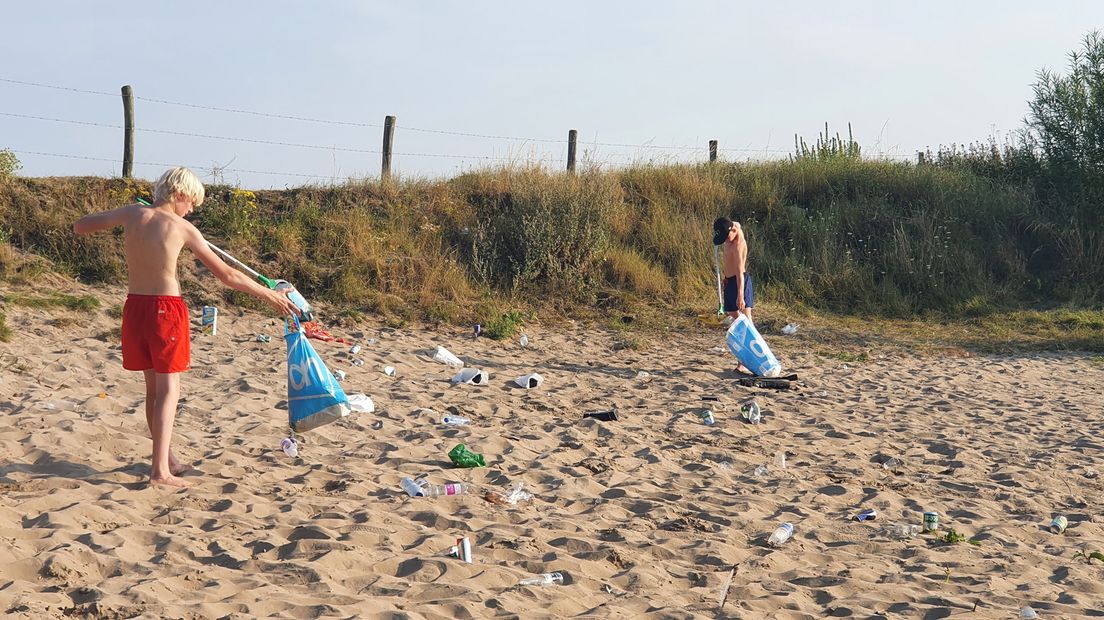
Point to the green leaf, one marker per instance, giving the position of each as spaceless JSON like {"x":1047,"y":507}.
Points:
{"x":1096,"y":555}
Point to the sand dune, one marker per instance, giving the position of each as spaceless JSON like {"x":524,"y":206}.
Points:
{"x":645,"y":517}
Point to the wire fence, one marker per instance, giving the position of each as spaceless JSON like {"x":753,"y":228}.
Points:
{"x":594,"y":154}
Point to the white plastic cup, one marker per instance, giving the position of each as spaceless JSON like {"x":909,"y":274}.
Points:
{"x":473,"y":376}
{"x":445,"y":356}
{"x":529,"y":381}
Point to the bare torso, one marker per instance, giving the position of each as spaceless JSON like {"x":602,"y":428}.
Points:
{"x":154,"y":239}
{"x":735,"y":257}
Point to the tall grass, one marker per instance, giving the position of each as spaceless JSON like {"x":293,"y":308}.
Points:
{"x":826,"y":229}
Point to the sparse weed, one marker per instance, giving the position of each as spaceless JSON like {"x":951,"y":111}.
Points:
{"x":54,"y":300}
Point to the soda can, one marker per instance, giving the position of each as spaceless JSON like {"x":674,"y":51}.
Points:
{"x":931,"y":521}
{"x":707,"y":417}
{"x":867,"y":515}
{"x":1059,"y":524}
{"x":210,"y":320}
{"x":464,"y":546}
{"x":355,"y":349}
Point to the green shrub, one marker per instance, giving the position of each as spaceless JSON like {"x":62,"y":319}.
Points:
{"x":504,"y":325}
{"x":9,"y":164}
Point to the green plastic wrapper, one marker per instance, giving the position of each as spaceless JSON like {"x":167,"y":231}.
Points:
{"x":462,"y":457}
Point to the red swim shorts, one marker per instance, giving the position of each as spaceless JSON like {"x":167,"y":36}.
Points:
{"x":156,"y":334}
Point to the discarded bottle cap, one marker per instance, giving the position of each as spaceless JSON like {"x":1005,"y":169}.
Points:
{"x":605,"y":416}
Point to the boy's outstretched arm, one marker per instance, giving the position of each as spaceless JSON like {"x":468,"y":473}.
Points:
{"x":233,"y":278}
{"x":105,"y":220}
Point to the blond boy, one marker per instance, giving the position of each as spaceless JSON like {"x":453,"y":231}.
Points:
{"x":156,"y":338}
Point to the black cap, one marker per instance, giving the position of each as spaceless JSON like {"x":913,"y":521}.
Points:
{"x":721,"y":226}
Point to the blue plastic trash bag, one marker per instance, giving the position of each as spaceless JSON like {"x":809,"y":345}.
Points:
{"x":314,"y":397}
{"x":748,"y":346}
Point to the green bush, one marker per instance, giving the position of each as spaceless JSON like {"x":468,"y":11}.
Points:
{"x":9,"y":164}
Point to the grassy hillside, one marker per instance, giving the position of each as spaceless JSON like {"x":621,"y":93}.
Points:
{"x":867,"y":238}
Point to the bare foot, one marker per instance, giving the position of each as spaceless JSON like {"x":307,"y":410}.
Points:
{"x":170,"y":481}
{"x":176,"y":467}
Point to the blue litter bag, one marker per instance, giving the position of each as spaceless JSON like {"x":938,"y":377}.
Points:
{"x":314,"y":397}
{"x":748,"y":346}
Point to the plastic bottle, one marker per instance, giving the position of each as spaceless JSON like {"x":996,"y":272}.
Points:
{"x":761,"y":470}
{"x":289,"y":447}
{"x":781,"y":535}
{"x":544,"y":579}
{"x":306,"y":315}
{"x":412,"y":488}
{"x":751,"y":412}
{"x":452,"y":488}
{"x":902,"y":530}
{"x":455,"y":420}
{"x":780,"y":459}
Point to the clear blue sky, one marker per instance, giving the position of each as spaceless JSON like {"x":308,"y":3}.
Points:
{"x":642,"y":73}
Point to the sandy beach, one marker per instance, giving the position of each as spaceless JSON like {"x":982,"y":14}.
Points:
{"x":647,"y":516}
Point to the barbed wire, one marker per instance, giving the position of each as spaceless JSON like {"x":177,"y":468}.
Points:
{"x":373,"y":125}
{"x":165,"y":165}
{"x":252,"y":140}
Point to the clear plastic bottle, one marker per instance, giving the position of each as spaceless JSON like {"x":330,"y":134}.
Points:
{"x":455,"y":420}
{"x":544,"y":579}
{"x":902,"y":531}
{"x":289,"y":447}
{"x":452,"y":488}
{"x":412,"y":488}
{"x":781,"y":535}
{"x":306,"y":314}
{"x":751,"y":412}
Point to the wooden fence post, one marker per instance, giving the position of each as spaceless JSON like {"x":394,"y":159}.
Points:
{"x":128,"y":131}
{"x":712,"y":151}
{"x":572,"y":135}
{"x":388,"y":142}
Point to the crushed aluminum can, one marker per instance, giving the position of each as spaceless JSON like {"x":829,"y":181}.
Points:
{"x":355,"y":349}
{"x":264,"y":338}
{"x":867,"y":515}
